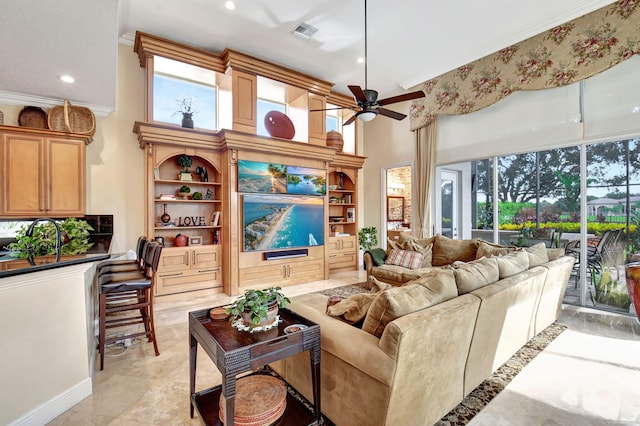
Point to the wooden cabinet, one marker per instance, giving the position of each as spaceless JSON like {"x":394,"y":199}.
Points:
{"x":343,"y":253}
{"x":282,"y":273}
{"x":43,"y":173}
{"x":189,"y":268}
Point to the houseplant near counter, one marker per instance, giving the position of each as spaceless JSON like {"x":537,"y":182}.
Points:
{"x":258,"y":308}
{"x":75,"y":239}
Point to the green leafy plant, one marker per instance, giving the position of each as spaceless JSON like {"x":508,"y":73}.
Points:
{"x":185,"y":161}
{"x":607,"y":290}
{"x":74,"y":236}
{"x":185,"y":189}
{"x":197,"y":195}
{"x":258,"y":302}
{"x":368,"y":237}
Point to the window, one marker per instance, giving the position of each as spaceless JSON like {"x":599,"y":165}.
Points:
{"x":173,"y":82}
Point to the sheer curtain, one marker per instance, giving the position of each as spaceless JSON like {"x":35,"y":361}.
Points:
{"x":425,"y":172}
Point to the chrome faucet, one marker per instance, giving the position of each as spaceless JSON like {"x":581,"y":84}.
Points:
{"x":29,"y":233}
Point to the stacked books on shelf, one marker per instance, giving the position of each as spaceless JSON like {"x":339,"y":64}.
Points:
{"x":168,"y":197}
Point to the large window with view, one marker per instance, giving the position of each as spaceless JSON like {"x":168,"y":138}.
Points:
{"x":539,"y":200}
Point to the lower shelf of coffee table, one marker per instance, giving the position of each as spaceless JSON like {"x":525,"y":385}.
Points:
{"x":207,"y":403}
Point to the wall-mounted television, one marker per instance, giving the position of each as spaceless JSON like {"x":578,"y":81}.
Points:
{"x":255,"y":176}
{"x":278,"y":221}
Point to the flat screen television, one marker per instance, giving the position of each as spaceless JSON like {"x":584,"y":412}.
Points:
{"x":278,"y":221}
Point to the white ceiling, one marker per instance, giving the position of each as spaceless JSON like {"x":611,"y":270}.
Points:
{"x":409,"y":41}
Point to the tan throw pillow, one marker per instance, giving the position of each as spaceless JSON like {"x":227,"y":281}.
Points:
{"x":512,"y":263}
{"x":406,"y":258}
{"x":486,"y":249}
{"x":475,"y":274}
{"x":555,"y":253}
{"x":406,"y":238}
{"x":427,"y":252}
{"x":446,"y":250}
{"x":442,"y":281}
{"x":398,"y":301}
{"x":537,"y":255}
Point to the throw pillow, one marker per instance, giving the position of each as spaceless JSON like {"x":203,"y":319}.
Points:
{"x":475,"y":274}
{"x":446,"y":250}
{"x":406,"y":258}
{"x":486,"y":249}
{"x":555,"y":253}
{"x":427,"y":252}
{"x":537,"y":254}
{"x":406,"y":238}
{"x":512,"y":263}
{"x":399,"y":301}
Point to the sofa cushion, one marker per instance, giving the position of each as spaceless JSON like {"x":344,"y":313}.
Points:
{"x":486,"y":249}
{"x":512,"y":263}
{"x":475,"y":274}
{"x":406,"y":258}
{"x":537,"y":254}
{"x":406,"y":238}
{"x":426,"y":251}
{"x":398,"y":301}
{"x":446,"y":250}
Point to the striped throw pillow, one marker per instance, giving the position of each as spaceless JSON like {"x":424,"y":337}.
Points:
{"x":407,"y":258}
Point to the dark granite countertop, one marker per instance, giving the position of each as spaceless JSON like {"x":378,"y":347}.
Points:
{"x":10,"y":267}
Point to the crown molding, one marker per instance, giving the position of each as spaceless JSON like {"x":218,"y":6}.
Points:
{"x":11,"y":98}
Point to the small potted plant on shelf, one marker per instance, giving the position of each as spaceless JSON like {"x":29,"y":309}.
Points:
{"x":185,"y":161}
{"x":258,"y":308}
{"x":184,"y":191}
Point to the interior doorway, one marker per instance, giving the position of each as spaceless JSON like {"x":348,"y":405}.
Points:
{"x":397,"y":200}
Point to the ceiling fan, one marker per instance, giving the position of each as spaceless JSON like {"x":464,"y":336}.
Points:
{"x":369,"y":106}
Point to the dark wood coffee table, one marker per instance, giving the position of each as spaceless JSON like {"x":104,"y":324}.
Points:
{"x":235,"y":352}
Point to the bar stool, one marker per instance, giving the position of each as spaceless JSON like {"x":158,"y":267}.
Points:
{"x":126,"y":299}
{"x":126,"y":265}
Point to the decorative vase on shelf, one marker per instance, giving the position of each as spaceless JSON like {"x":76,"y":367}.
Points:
{"x":187,"y":120}
{"x":165,"y":218}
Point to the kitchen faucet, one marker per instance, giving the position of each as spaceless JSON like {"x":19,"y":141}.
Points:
{"x":29,"y":233}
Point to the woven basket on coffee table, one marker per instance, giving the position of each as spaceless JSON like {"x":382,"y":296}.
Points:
{"x":260,"y":401}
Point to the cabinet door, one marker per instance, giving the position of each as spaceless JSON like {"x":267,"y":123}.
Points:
{"x":205,"y":257}
{"x":65,"y":177}
{"x":174,"y":259}
{"x":260,"y":276}
{"x":23,"y":172}
{"x":309,"y":270}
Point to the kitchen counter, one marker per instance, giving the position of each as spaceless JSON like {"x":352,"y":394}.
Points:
{"x":10,"y":267}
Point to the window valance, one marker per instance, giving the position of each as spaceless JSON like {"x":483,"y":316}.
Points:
{"x":565,"y":54}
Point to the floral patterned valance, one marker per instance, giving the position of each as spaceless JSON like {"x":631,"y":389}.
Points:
{"x":565,"y":54}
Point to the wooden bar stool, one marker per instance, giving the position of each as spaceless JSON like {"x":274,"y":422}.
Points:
{"x":126,"y":299}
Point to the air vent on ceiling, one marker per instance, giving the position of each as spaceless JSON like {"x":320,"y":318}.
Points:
{"x":305,"y":31}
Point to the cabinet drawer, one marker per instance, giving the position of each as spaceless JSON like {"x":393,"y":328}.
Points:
{"x":344,"y":260}
{"x":177,"y":282}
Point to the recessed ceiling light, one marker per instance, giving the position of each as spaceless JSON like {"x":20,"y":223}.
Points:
{"x":67,"y":78}
{"x":230,"y":5}
{"x":360,"y":60}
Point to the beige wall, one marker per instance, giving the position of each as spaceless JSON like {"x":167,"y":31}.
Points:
{"x":386,"y":142}
{"x":115,"y":163}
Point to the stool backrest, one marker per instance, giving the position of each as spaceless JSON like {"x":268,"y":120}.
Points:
{"x":152,"y":257}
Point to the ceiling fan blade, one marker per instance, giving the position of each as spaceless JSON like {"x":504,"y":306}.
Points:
{"x":401,"y":98}
{"x":351,"y":120}
{"x":392,"y":114}
{"x":331,"y":109}
{"x":358,"y":93}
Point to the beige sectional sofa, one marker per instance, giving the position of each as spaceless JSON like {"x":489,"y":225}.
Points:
{"x":423,"y":346}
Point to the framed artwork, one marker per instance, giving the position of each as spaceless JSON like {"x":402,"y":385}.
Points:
{"x":270,"y":178}
{"x":351,"y":214}
{"x":395,"y":208}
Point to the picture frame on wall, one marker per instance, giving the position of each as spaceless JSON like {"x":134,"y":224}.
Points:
{"x":156,"y":173}
{"x":351,"y":214}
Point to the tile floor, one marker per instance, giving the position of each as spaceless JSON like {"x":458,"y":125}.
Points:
{"x":590,"y":375}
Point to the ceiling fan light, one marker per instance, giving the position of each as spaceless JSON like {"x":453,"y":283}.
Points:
{"x":367,"y":115}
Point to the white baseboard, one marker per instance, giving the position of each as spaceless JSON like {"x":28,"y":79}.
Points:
{"x":51,"y":409}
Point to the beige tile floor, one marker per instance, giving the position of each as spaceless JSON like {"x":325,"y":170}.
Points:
{"x":590,"y":375}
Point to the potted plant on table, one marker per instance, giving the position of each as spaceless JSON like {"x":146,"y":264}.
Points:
{"x":258,"y":307}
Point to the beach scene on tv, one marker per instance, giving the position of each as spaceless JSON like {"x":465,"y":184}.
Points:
{"x":282,"y":221}
{"x":305,"y":181}
{"x":254,"y":176}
